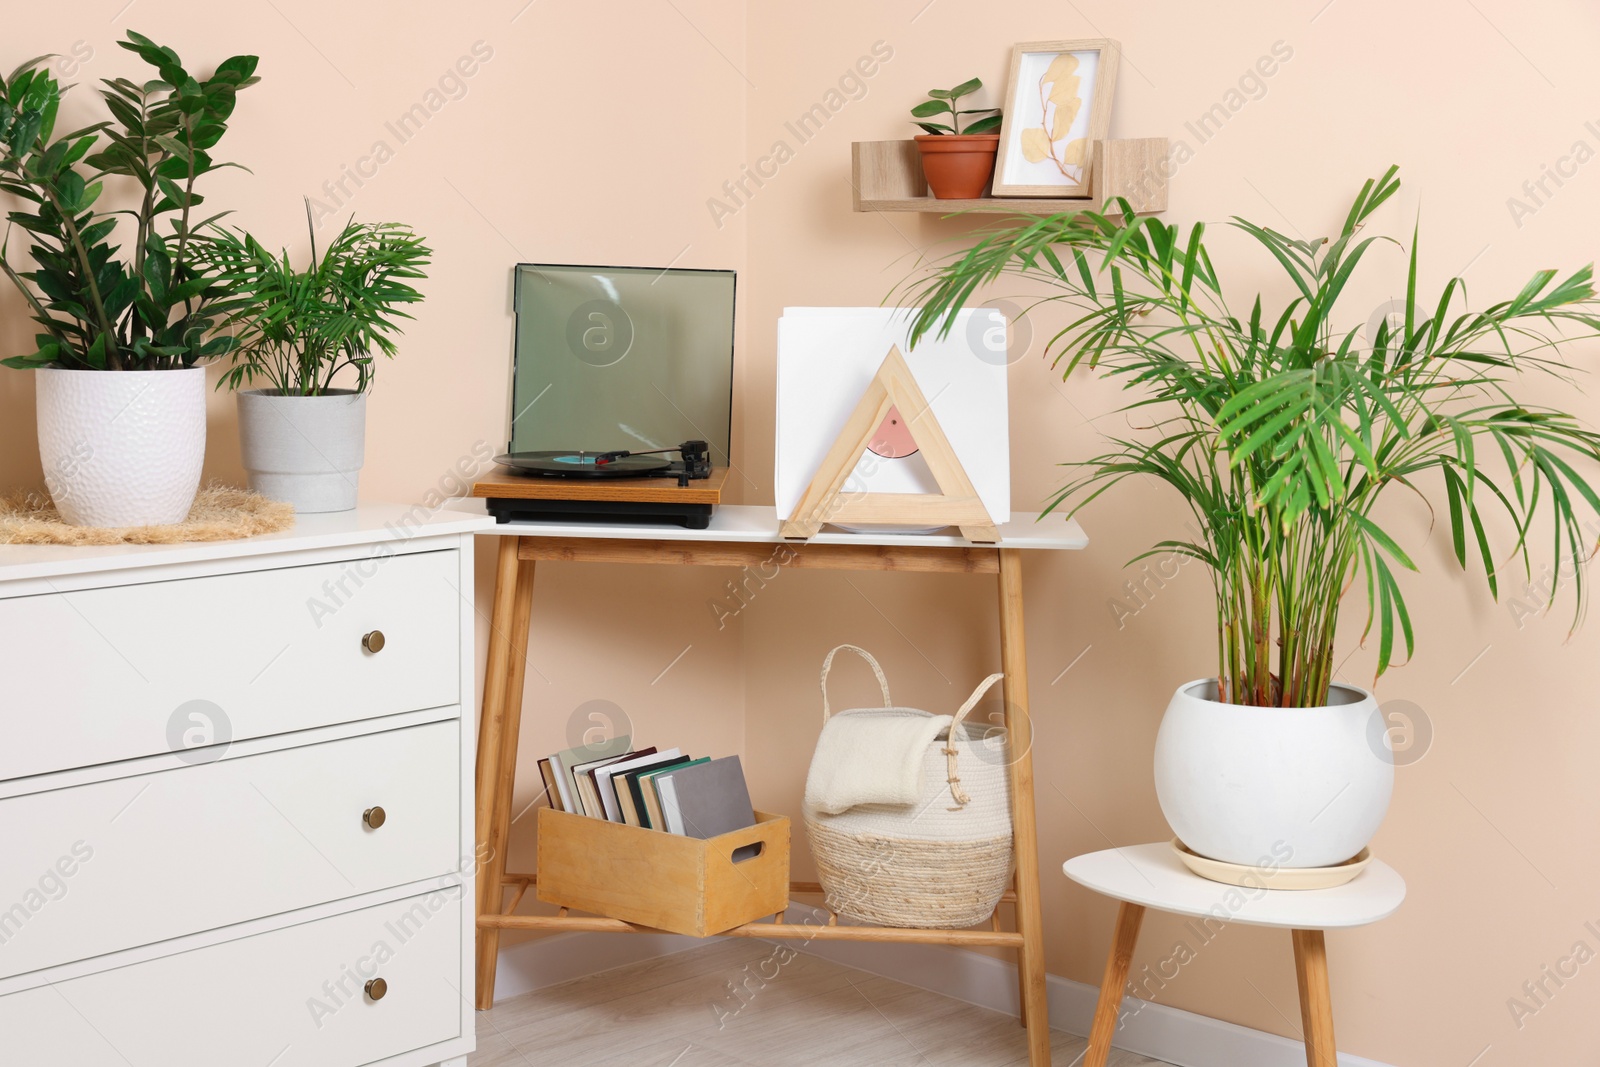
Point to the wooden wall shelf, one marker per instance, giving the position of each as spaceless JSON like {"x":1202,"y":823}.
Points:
{"x":887,"y":176}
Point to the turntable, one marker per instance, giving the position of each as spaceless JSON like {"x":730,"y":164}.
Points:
{"x":613,"y":365}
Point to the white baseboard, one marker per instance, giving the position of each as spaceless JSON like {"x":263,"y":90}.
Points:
{"x":1155,"y":1030}
{"x":560,"y":958}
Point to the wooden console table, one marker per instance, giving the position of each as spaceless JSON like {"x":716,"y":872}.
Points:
{"x":740,"y":536}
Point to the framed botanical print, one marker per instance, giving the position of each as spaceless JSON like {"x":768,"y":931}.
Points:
{"x":1057,"y":106}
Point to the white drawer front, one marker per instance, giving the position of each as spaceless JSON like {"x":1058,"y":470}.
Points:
{"x":116,"y":673}
{"x":290,"y":998}
{"x":98,"y":868}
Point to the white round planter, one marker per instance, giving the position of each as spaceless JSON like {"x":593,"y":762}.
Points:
{"x":1286,"y":787}
{"x":122,"y":448}
{"x":306,"y":450}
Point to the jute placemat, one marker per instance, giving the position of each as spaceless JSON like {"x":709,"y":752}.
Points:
{"x":220,"y":513}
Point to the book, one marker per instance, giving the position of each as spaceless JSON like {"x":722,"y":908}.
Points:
{"x":605,"y":778}
{"x":562,"y":763}
{"x":630,"y":796}
{"x":594,"y":787}
{"x":707,"y":799}
{"x":652,"y":799}
{"x":551,"y":792}
{"x":583,"y":778}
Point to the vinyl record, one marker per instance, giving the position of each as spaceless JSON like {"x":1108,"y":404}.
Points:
{"x":583,"y":465}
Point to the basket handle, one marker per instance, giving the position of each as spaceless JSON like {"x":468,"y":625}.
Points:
{"x":958,"y":794}
{"x":827,"y":665}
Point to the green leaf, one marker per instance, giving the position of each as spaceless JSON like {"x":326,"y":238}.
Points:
{"x":930,"y":108}
{"x":987,"y":125}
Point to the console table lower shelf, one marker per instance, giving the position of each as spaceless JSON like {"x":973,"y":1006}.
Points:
{"x":777,"y":929}
{"x":745,"y":536}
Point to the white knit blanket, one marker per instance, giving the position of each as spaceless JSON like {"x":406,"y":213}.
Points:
{"x":871,"y":756}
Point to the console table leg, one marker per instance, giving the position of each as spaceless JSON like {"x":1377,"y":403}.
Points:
{"x":1019,"y":731}
{"x":497,"y":747}
{"x":1115,"y":979}
{"x":1316,"y":999}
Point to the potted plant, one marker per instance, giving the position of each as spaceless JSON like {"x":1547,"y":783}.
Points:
{"x":125,"y":309}
{"x":957,"y":161}
{"x":302,"y":436}
{"x":1281,"y":431}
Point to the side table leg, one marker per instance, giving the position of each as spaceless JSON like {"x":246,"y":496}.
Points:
{"x":1118,"y":961}
{"x":1316,"y":998}
{"x":1025,"y":836}
{"x":497,"y":747}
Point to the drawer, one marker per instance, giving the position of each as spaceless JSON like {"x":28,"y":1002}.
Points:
{"x":97,"y":868}
{"x":116,"y":673}
{"x":289,"y":998}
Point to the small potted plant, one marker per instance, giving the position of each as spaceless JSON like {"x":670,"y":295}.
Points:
{"x":127,"y":312}
{"x":1280,"y":429}
{"x":957,"y":160}
{"x":302,"y":435}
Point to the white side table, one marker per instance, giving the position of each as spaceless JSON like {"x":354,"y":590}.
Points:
{"x":1151,"y":876}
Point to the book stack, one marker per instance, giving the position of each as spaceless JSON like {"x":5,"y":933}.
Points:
{"x":657,"y":790}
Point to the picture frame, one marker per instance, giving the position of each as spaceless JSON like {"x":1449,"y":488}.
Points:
{"x":1046,"y":149}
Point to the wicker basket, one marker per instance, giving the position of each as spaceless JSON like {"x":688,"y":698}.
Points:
{"x":942,"y":862}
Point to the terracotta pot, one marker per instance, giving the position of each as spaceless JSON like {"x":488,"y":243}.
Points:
{"x":958,"y":167}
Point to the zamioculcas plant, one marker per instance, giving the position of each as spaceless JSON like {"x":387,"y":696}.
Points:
{"x":1281,"y":429}
{"x":110,"y":299}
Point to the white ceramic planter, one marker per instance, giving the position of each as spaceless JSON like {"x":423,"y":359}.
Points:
{"x":306,"y":450}
{"x":122,"y":448}
{"x":1291,"y":787}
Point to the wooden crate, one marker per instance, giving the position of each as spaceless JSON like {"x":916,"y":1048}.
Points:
{"x":661,"y":880}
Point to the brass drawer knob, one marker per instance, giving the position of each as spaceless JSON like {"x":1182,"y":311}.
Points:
{"x":374,"y":817}
{"x":373,"y":642}
{"x":376,"y":989}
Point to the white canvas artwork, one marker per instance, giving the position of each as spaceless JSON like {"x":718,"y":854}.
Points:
{"x":828,"y":356}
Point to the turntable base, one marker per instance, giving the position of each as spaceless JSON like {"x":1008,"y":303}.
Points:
{"x":513,"y":497}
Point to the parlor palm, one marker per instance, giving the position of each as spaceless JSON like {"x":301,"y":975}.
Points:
{"x":297,"y":329}
{"x":1282,"y":429}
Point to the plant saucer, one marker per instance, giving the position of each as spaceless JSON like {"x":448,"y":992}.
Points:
{"x":1272,"y":877}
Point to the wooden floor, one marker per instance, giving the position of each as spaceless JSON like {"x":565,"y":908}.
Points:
{"x":794,"y":1009}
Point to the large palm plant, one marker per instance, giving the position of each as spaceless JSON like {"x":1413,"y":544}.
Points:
{"x":1282,"y":430}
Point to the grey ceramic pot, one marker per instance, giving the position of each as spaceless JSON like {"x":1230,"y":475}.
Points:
{"x":305,"y":450}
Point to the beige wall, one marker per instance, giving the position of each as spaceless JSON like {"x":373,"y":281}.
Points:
{"x":597,"y":132}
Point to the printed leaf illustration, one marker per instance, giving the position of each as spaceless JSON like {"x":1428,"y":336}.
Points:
{"x":1066,"y":114}
{"x":1035,"y":145}
{"x":1073,"y":153}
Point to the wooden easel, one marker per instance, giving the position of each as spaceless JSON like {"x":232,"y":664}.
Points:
{"x":956,"y":504}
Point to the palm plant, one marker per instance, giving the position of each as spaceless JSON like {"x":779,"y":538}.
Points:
{"x":1281,"y":431}
{"x":101,"y":309}
{"x":298,"y":328}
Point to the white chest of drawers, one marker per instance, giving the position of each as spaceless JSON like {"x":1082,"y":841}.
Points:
{"x":236,"y":798}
